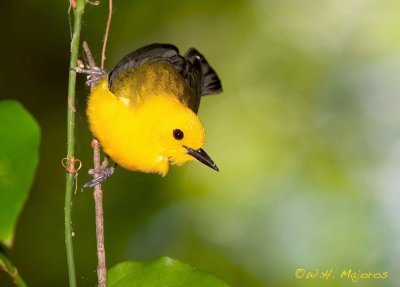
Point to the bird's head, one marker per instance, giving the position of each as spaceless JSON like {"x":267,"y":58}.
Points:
{"x":176,"y":132}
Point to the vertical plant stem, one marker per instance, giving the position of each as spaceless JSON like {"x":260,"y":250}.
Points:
{"x":98,"y":195}
{"x":98,"y":192}
{"x":98,"y":200}
{"x":78,"y":9}
{"x":8,"y":267}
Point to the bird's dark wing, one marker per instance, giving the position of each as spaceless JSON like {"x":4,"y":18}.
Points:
{"x":148,"y":54}
{"x":209,"y":80}
{"x":193,"y":68}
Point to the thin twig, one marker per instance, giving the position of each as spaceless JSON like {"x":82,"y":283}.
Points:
{"x":98,"y":199}
{"x":88,"y":54}
{"x":98,"y":193}
{"x":7,"y":266}
{"x":103,"y":51}
{"x":78,"y":7}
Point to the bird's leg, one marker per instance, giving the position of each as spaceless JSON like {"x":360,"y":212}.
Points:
{"x":93,"y":74}
{"x":104,"y":164}
{"x":102,"y":173}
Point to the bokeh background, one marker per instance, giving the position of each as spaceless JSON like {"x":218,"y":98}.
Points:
{"x":306,"y":135}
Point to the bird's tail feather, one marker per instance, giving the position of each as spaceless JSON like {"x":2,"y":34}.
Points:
{"x":210,"y":82}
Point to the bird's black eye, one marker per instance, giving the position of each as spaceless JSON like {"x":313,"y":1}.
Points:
{"x":178,"y":134}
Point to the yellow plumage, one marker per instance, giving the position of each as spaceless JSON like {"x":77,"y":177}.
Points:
{"x":139,"y":137}
{"x":146,"y":119}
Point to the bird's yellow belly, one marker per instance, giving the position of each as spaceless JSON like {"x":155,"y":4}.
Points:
{"x":116,"y":126}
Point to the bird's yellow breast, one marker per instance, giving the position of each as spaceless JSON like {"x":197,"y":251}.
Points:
{"x":133,"y":135}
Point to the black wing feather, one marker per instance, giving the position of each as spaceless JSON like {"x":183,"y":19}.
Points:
{"x":210,"y":82}
{"x":193,"y":67}
{"x":148,"y":54}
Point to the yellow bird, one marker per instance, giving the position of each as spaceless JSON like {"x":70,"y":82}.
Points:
{"x":144,"y":112}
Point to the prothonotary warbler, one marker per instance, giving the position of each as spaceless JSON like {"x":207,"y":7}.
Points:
{"x":144,"y":112}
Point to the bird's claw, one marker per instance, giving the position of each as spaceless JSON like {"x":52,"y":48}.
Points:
{"x":94,"y":74}
{"x":102,"y":175}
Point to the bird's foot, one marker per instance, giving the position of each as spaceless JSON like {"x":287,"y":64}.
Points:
{"x":102,"y":175}
{"x":93,"y":74}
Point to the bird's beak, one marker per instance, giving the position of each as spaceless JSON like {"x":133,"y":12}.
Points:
{"x":202,"y":157}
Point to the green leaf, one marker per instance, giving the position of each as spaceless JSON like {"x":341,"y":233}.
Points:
{"x":19,"y":155}
{"x":162,"y":272}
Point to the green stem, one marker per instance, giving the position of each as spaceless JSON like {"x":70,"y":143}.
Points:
{"x":7,"y":266}
{"x":78,"y":12}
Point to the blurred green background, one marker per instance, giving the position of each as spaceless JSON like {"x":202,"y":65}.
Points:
{"x":306,"y":135}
